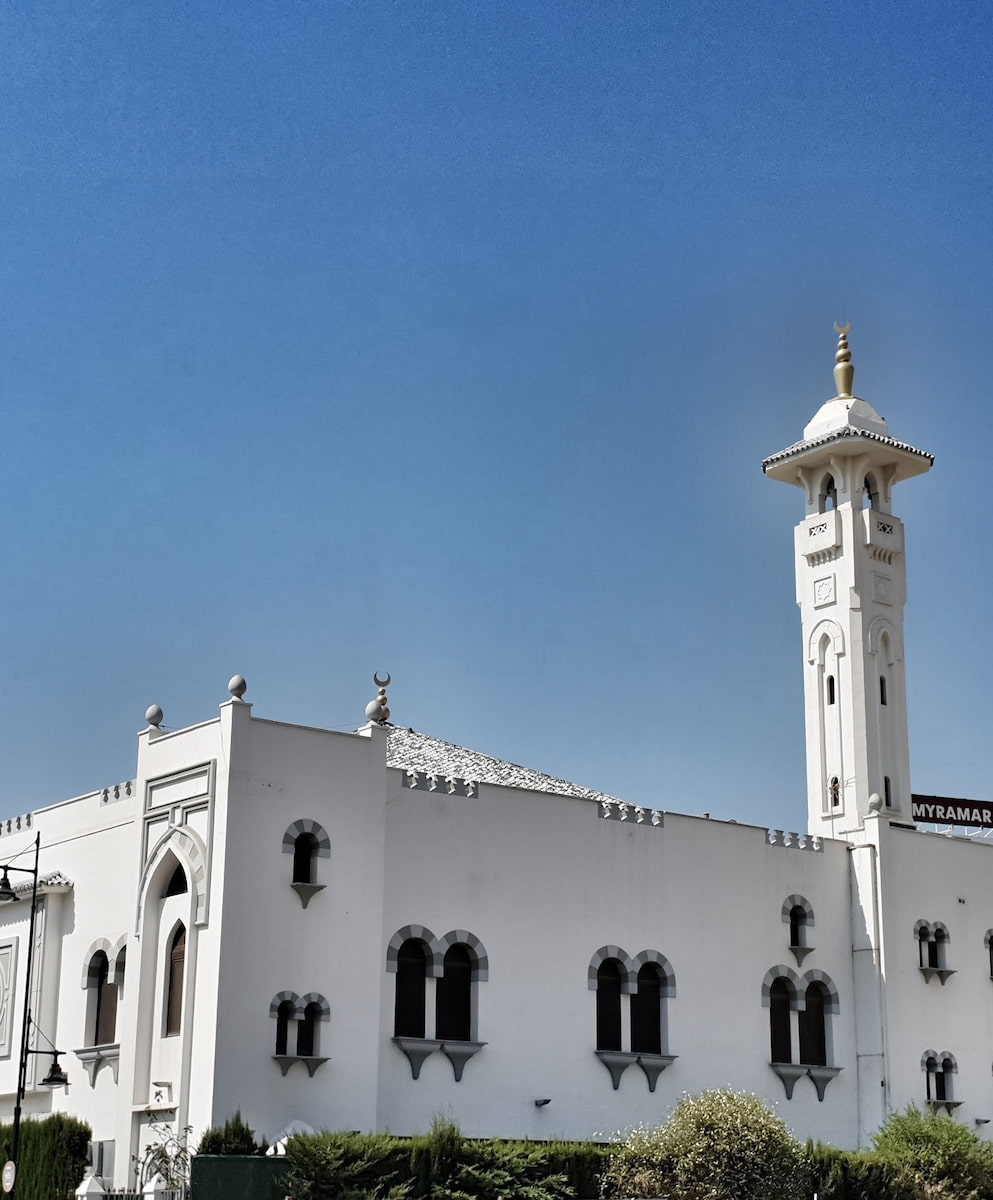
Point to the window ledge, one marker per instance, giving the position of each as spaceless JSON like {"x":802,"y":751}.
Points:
{"x":821,"y":1077}
{"x":307,"y":891}
{"x":653,"y":1065}
{"x":418,"y":1049}
{"x":943,"y":973}
{"x":459,"y":1053}
{"x":93,"y":1058}
{"x":789,"y":1073}
{"x":310,"y":1061}
{"x":616,"y":1062}
{"x":800,"y":953}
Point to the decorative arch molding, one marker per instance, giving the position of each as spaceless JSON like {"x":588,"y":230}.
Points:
{"x":815,"y":975}
{"x":120,"y":946}
{"x":825,"y":629}
{"x":281,"y":998}
{"x":314,"y":998}
{"x":882,"y":634}
{"x":419,"y":933}
{"x":629,"y":983}
{"x":306,"y":825}
{"x":792,"y":979}
{"x":477,"y":951}
{"x":942,"y":928}
{"x":923,"y":926}
{"x":987,"y":938}
{"x":797,"y":901}
{"x":185,"y":845}
{"x":100,"y":945}
{"x":940,"y":1058}
{"x":659,"y":960}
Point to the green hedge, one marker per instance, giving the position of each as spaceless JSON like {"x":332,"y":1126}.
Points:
{"x":442,"y":1165}
{"x":53,"y":1156}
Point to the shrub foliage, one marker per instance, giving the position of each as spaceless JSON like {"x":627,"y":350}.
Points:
{"x":235,"y":1136}
{"x":53,"y":1156}
{"x":719,"y":1145}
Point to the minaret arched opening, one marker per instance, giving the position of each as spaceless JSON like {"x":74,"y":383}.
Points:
{"x":828,"y":495}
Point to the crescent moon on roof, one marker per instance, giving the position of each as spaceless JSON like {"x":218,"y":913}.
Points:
{"x":381,"y":682}
{"x":838,"y":329}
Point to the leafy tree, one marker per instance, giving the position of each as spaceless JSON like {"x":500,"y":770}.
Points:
{"x":719,"y":1145}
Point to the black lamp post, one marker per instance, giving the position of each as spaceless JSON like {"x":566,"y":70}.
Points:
{"x":56,"y":1077}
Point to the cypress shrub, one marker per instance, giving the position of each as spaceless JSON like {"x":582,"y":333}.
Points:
{"x":53,"y":1156}
{"x":234,"y":1137}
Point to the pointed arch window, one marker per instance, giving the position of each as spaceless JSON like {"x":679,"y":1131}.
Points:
{"x":177,"y":885}
{"x":175,"y":978}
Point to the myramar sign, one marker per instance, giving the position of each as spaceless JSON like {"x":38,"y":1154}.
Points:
{"x":943,"y":810}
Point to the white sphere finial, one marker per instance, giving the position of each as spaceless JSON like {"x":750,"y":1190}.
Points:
{"x":154,"y":716}
{"x":237,"y":686}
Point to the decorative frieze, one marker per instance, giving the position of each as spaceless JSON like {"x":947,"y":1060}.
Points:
{"x":794,"y":841}
{"x":634,"y":814}
{"x":450,"y":785}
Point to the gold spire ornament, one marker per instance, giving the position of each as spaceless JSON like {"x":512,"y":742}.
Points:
{"x":844,"y":372}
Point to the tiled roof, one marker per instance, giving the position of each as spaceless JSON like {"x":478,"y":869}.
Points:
{"x":836,"y":435}
{"x":411,"y":751}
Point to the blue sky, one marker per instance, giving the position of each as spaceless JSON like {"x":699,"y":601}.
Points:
{"x":447,"y":340}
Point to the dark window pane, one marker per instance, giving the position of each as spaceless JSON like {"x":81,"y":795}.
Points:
{"x":779,"y":1022}
{"x":177,"y":882}
{"x":307,"y":1031}
{"x":608,"y":1005}
{"x":174,"y":994}
{"x":453,"y":1012}
{"x":408,"y":1012}
{"x":813,"y":1038}
{"x":304,"y":857}
{"x":646,"y":1012}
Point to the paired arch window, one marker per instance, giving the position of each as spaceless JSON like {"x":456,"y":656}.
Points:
{"x":436,"y":977}
{"x":104,"y":982}
{"x":648,"y":981}
{"x":800,"y":1011}
{"x":298,"y":1024}
{"x":939,"y":1070}
{"x":932,"y":949}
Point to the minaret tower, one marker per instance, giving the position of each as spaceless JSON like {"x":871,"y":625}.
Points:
{"x":851,"y":586}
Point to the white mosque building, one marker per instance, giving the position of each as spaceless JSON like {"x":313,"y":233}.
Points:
{"x":365,"y":930}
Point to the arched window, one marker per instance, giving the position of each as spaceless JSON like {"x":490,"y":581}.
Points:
{"x":798,"y":923}
{"x":608,"y":1005}
{"x":177,"y":885}
{"x":411,"y":971}
{"x":924,"y":945}
{"x":936,"y":948}
{"x":828,"y":497}
{"x":307,"y":1031}
{"x":284,"y":1015}
{"x":305,"y":847}
{"x":781,"y":1046}
{"x":813,"y":1034}
{"x":453,"y":996}
{"x":102,"y":1026}
{"x":931,"y":1080}
{"x":882,"y":689}
{"x":870,"y":492}
{"x":830,"y":689}
{"x":175,"y":975}
{"x":646,"y":1011}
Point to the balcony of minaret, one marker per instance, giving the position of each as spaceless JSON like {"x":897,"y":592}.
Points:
{"x":818,"y":538}
{"x":883,"y":534}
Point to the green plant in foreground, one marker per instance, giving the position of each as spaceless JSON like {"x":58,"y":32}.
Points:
{"x":719,"y":1145}
{"x":235,"y":1136}
{"x":937,"y":1155}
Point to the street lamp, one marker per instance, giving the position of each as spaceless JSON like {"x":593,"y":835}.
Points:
{"x":56,"y":1077}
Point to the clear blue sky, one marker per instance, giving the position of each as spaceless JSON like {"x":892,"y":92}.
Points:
{"x":447,"y":339}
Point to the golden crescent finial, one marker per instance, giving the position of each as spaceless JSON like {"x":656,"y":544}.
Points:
{"x":382,"y":682}
{"x":838,"y":328}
